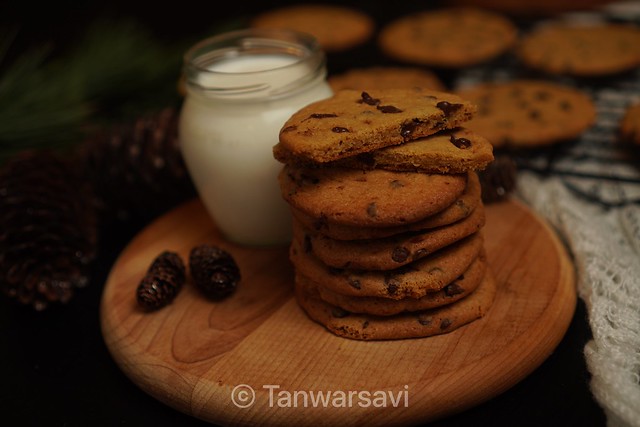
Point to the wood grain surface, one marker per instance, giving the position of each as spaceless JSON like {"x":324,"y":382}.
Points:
{"x":198,"y":356}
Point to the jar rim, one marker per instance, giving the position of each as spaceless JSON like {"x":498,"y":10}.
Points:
{"x":294,"y":43}
{"x":199,"y":59}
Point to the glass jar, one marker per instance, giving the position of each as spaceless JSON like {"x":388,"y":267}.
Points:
{"x":240,"y":89}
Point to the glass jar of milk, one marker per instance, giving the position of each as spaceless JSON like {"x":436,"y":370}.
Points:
{"x":241,"y":88}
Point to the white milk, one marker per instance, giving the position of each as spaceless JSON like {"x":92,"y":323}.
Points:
{"x":234,"y":109}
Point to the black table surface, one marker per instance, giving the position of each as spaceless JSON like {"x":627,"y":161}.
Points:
{"x":55,"y":369}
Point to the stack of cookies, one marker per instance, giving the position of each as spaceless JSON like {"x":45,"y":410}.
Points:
{"x":387,"y":213}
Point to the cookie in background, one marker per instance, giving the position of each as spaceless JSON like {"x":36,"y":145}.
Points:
{"x":448,"y":37}
{"x":337,"y":28}
{"x":581,"y":49}
{"x":529,"y":113}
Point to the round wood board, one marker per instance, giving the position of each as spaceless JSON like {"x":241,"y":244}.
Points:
{"x":256,"y":358}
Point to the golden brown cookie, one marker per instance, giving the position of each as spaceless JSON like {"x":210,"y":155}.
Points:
{"x":429,"y":274}
{"x":450,"y":37}
{"x":453,"y":151}
{"x":526,"y":113}
{"x":407,"y":325}
{"x":582,"y":50}
{"x":337,"y":28}
{"x":461,"y":287}
{"x":388,"y":253}
{"x":376,"y":198}
{"x":630,"y":124}
{"x":353,"y":122}
{"x":458,"y":210}
{"x":385,"y":78}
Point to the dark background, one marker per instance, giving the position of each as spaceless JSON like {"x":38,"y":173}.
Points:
{"x":54,"y":366}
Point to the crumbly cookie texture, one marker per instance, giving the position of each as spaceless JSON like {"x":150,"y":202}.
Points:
{"x":400,"y":326}
{"x":582,"y":50}
{"x":337,"y":28}
{"x":376,"y":197}
{"x":461,"y":287}
{"x":353,"y":122}
{"x":429,"y":274}
{"x":388,"y":253}
{"x":525,"y":113}
{"x":458,"y":210}
{"x":454,"y":151}
{"x":448,"y":37}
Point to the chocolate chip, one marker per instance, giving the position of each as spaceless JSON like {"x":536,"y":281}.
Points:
{"x":392,"y":287}
{"x":322,"y":115}
{"x":400,"y":254}
{"x":338,"y":129}
{"x":339,"y":312}
{"x":396,"y":183}
{"x":289,"y":129}
{"x":420,"y":253}
{"x":355,"y":283}
{"x":407,"y":129}
{"x":445,"y":324}
{"x":367,"y":99}
{"x":424,"y":321}
{"x":388,"y":109}
{"x":565,"y":105}
{"x":447,"y":107}
{"x":453,"y":289}
{"x":365,"y":324}
{"x":372,"y":210}
{"x":534,"y":114}
{"x":461,"y":143}
{"x":542,"y":95}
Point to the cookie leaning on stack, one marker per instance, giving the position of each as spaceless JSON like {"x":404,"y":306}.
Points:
{"x":387,"y":213}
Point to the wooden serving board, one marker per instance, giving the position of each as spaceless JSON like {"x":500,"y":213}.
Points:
{"x":198,"y":356}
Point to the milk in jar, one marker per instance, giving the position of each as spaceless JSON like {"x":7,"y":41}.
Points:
{"x":241,"y":88}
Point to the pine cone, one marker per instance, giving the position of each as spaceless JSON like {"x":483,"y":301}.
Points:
{"x":162,"y":282}
{"x":214,"y":271}
{"x":136,"y":169}
{"x":47,"y":229}
{"x":498,"y":180}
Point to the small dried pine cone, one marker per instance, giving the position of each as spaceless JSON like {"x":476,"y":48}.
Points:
{"x":214,"y":271}
{"x":162,"y":282}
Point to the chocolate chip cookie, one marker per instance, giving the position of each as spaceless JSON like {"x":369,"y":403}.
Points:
{"x":376,"y":198}
{"x":456,"y":211}
{"x":337,"y":28}
{"x":582,"y":50}
{"x":429,"y":274}
{"x":388,"y":253}
{"x":450,"y":37}
{"x":453,"y":151}
{"x":406,"y":325}
{"x":529,"y":113}
{"x":353,"y":122}
{"x":461,"y":287}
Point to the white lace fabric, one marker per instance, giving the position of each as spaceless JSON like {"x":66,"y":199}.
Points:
{"x":605,"y":245}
